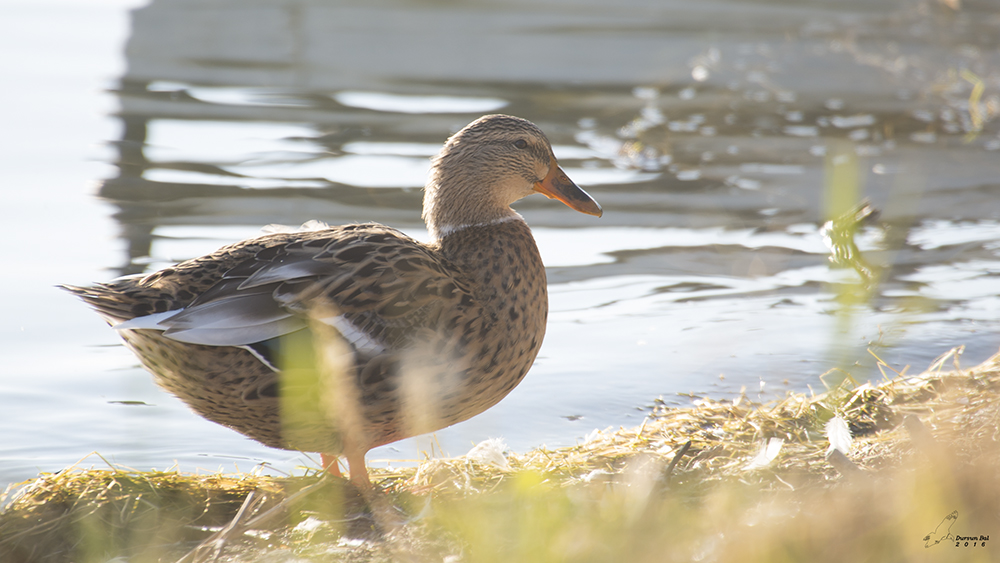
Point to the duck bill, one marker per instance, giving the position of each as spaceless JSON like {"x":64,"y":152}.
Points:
{"x":557,"y":185}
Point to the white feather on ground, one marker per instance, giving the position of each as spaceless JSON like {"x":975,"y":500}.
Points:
{"x":839,"y":435}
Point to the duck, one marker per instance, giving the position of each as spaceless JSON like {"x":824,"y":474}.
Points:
{"x":341,"y":339}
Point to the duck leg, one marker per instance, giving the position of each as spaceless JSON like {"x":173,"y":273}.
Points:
{"x":331,"y":464}
{"x":356,"y":467}
{"x":358,"y":470}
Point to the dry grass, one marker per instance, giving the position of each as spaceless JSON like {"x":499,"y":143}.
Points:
{"x":725,"y":436}
{"x":682,"y":486}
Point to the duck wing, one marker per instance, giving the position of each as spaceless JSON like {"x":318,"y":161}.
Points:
{"x":376,"y":286}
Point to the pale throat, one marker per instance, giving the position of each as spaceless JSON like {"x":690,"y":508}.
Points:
{"x":450,"y":210}
{"x":443,"y":230}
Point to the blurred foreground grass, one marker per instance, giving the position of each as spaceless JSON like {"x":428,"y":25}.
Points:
{"x":718,"y":481}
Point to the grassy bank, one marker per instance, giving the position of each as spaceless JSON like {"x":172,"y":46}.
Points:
{"x":717,"y":481}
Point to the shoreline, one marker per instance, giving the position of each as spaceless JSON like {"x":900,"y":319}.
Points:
{"x":915,"y":442}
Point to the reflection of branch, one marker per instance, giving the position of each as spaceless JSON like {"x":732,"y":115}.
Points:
{"x":838,"y":235}
{"x":975,"y":115}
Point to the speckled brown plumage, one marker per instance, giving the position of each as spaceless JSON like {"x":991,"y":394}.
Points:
{"x":342,"y":339}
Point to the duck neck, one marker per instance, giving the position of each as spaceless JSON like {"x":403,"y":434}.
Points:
{"x":440,"y":231}
{"x":453,"y":202}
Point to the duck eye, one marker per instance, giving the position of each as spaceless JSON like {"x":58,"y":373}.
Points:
{"x":521,"y":144}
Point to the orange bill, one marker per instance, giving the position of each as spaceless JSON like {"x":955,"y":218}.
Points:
{"x":557,"y":185}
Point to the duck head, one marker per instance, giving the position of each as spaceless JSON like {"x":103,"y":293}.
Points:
{"x":488,"y":165}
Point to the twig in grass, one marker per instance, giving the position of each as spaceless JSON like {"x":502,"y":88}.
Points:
{"x":677,"y":457}
{"x":218,"y":540}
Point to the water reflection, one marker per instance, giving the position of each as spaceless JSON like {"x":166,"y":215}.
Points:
{"x":703,"y":129}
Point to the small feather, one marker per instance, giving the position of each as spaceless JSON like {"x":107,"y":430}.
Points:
{"x":237,"y":336}
{"x":490,"y":452}
{"x":286,"y":272}
{"x":236,"y":311}
{"x":359,"y":339}
{"x":766,"y":454}
{"x":151,"y":322}
{"x":310,"y":225}
{"x":839,"y":435}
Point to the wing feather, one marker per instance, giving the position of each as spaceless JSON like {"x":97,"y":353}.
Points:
{"x":236,"y":335}
{"x":371,"y":278}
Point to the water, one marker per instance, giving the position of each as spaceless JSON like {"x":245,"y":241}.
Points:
{"x":711,"y":132}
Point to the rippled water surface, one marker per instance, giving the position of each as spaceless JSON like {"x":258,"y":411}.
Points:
{"x":719,"y":137}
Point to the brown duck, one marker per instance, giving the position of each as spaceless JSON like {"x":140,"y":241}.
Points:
{"x":343,"y":339}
